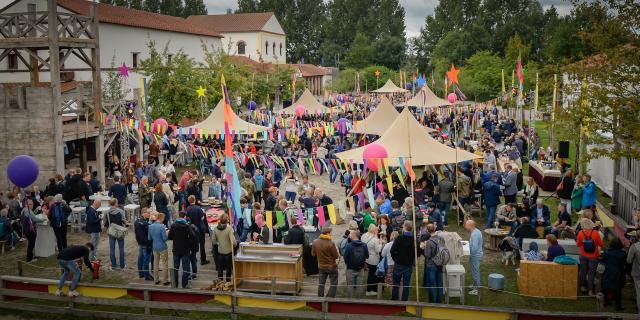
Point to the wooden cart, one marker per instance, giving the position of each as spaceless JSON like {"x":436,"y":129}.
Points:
{"x":269,"y":268}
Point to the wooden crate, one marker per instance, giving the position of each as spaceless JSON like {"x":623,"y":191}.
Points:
{"x":269,"y":268}
{"x":548,"y":279}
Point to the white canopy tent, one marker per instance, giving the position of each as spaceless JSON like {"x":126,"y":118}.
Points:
{"x":311,"y":105}
{"x":425,"y":98}
{"x":407,"y":139}
{"x":389,"y":87}
{"x":215,"y":121}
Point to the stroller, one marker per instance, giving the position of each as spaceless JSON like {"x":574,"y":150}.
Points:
{"x":509,"y":250}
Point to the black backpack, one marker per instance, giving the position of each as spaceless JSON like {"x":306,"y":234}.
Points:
{"x":194,"y":237}
{"x":358,"y":257}
{"x":588,"y":244}
{"x":359,"y":219}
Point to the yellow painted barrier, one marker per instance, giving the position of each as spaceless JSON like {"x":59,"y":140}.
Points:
{"x":459,"y":314}
{"x":107,"y":293}
{"x":223,"y":299}
{"x":270,"y":304}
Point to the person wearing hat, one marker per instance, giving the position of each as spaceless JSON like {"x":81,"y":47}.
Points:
{"x":141,"y":228}
{"x":633,"y":258}
{"x":590,"y":244}
{"x":491,"y":194}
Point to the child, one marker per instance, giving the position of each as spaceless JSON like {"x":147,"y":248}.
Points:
{"x":258,"y":179}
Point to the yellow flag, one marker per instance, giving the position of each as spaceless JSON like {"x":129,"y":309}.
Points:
{"x":504,"y":89}
{"x":332,"y":213}
{"x":390,"y":184}
{"x":269,"y":219}
{"x":386,"y":166}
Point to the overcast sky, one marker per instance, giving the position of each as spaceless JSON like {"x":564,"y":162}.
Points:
{"x":415,"y":10}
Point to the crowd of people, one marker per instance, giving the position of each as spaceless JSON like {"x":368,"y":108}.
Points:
{"x":380,"y":237}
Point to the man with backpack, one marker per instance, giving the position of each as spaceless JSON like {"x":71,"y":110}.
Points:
{"x":590,"y":244}
{"x":436,"y":256}
{"x":58,"y":215}
{"x":355,"y":256}
{"x":197,"y":218}
{"x":403,"y":254}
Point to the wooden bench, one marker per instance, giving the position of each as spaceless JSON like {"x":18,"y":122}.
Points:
{"x":569,"y":246}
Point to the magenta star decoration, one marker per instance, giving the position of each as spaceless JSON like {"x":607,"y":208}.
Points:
{"x":124,"y":70}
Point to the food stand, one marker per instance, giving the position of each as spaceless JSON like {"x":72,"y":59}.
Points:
{"x":545,"y":174}
{"x":268,"y":268}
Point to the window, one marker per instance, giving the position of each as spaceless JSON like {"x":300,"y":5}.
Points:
{"x":266,"y":47}
{"x":12,"y":61}
{"x":280,"y":48}
{"x":134,"y":59}
{"x":169,"y":56}
{"x":273,"y":48}
{"x":241,"y":47}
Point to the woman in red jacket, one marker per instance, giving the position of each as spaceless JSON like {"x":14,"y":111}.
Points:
{"x":590,"y":243}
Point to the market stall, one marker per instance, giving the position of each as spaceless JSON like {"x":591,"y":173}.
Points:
{"x":545,"y":174}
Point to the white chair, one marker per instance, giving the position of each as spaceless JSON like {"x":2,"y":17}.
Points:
{"x":131,"y":212}
{"x":77,"y":214}
{"x":454,"y":282}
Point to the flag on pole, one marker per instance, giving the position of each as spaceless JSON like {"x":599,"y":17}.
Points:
{"x":504,"y":89}
{"x":553,"y":103}
{"x":537,"y":88}
{"x":230,"y":167}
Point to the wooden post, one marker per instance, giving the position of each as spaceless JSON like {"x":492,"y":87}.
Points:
{"x":19,"y":268}
{"x":234,"y":305}
{"x":415,"y":228}
{"x":56,"y":96}
{"x":325,"y":309}
{"x":273,"y":286}
{"x":138,"y":114}
{"x":97,"y":91}
{"x":380,"y":288}
{"x":147,"y":310}
{"x":35,"y":71}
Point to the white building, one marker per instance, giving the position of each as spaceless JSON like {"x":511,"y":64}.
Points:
{"x":123,"y":37}
{"x":258,"y":36}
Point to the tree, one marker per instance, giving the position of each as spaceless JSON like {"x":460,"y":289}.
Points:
{"x":136,"y":4}
{"x":121,"y":3}
{"x":361,"y":53}
{"x":152,"y":6}
{"x":109,"y":2}
{"x":194,"y":8}
{"x":390,"y":51}
{"x":171,"y":7}
{"x":247,"y":6}
{"x":480,"y":79}
{"x":113,"y":88}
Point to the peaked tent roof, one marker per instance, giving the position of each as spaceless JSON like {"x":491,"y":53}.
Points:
{"x":389,"y":87}
{"x":379,"y":120}
{"x":215,"y":121}
{"x":406,"y":138}
{"x":426,"y":99}
{"x":311,"y":105}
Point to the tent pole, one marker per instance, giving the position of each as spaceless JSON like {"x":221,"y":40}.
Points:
{"x":415,"y":227}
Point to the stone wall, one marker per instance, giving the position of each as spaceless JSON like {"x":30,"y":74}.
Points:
{"x":26,"y":127}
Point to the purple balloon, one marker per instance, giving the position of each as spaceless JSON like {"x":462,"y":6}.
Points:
{"x":251,"y":105}
{"x":408,"y":86}
{"x":342,"y":125}
{"x":23,"y":171}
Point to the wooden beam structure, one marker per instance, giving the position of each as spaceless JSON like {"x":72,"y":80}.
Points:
{"x":62,"y":35}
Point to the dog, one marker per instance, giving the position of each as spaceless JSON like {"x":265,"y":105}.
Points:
{"x":508,"y":247}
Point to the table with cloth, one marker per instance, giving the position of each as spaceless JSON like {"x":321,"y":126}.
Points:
{"x":45,"y":240}
{"x":502,"y":163}
{"x":546,"y":177}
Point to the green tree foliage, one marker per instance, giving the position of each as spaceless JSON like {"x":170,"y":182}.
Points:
{"x":113,"y":89}
{"x":109,"y":2}
{"x":346,"y":81}
{"x":361,"y":53}
{"x":152,"y":6}
{"x":194,"y":8}
{"x":390,"y":51}
{"x":481,"y":76}
{"x":136,"y":4}
{"x":171,"y":7}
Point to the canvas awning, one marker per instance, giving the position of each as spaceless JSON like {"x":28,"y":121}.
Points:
{"x":389,"y":87}
{"x":215,"y":122}
{"x":425,"y":98}
{"x":407,"y":139}
{"x":379,"y":120}
{"x":311,"y":105}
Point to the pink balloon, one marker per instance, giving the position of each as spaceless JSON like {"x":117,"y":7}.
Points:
{"x":299,"y":110}
{"x":452,"y":97}
{"x":159,"y":126}
{"x":374,"y":153}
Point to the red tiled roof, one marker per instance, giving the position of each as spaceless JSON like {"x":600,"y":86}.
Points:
{"x":137,"y":18}
{"x":239,"y":22}
{"x":309,"y":70}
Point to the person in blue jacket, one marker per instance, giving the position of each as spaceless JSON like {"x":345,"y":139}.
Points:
{"x":491,"y":194}
{"x":94,"y":226}
{"x":588,"y":193}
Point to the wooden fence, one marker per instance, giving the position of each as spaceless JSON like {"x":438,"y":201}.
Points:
{"x":626,"y":187}
{"x":120,"y":300}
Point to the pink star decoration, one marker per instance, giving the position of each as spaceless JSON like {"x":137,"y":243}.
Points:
{"x":123,"y":70}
